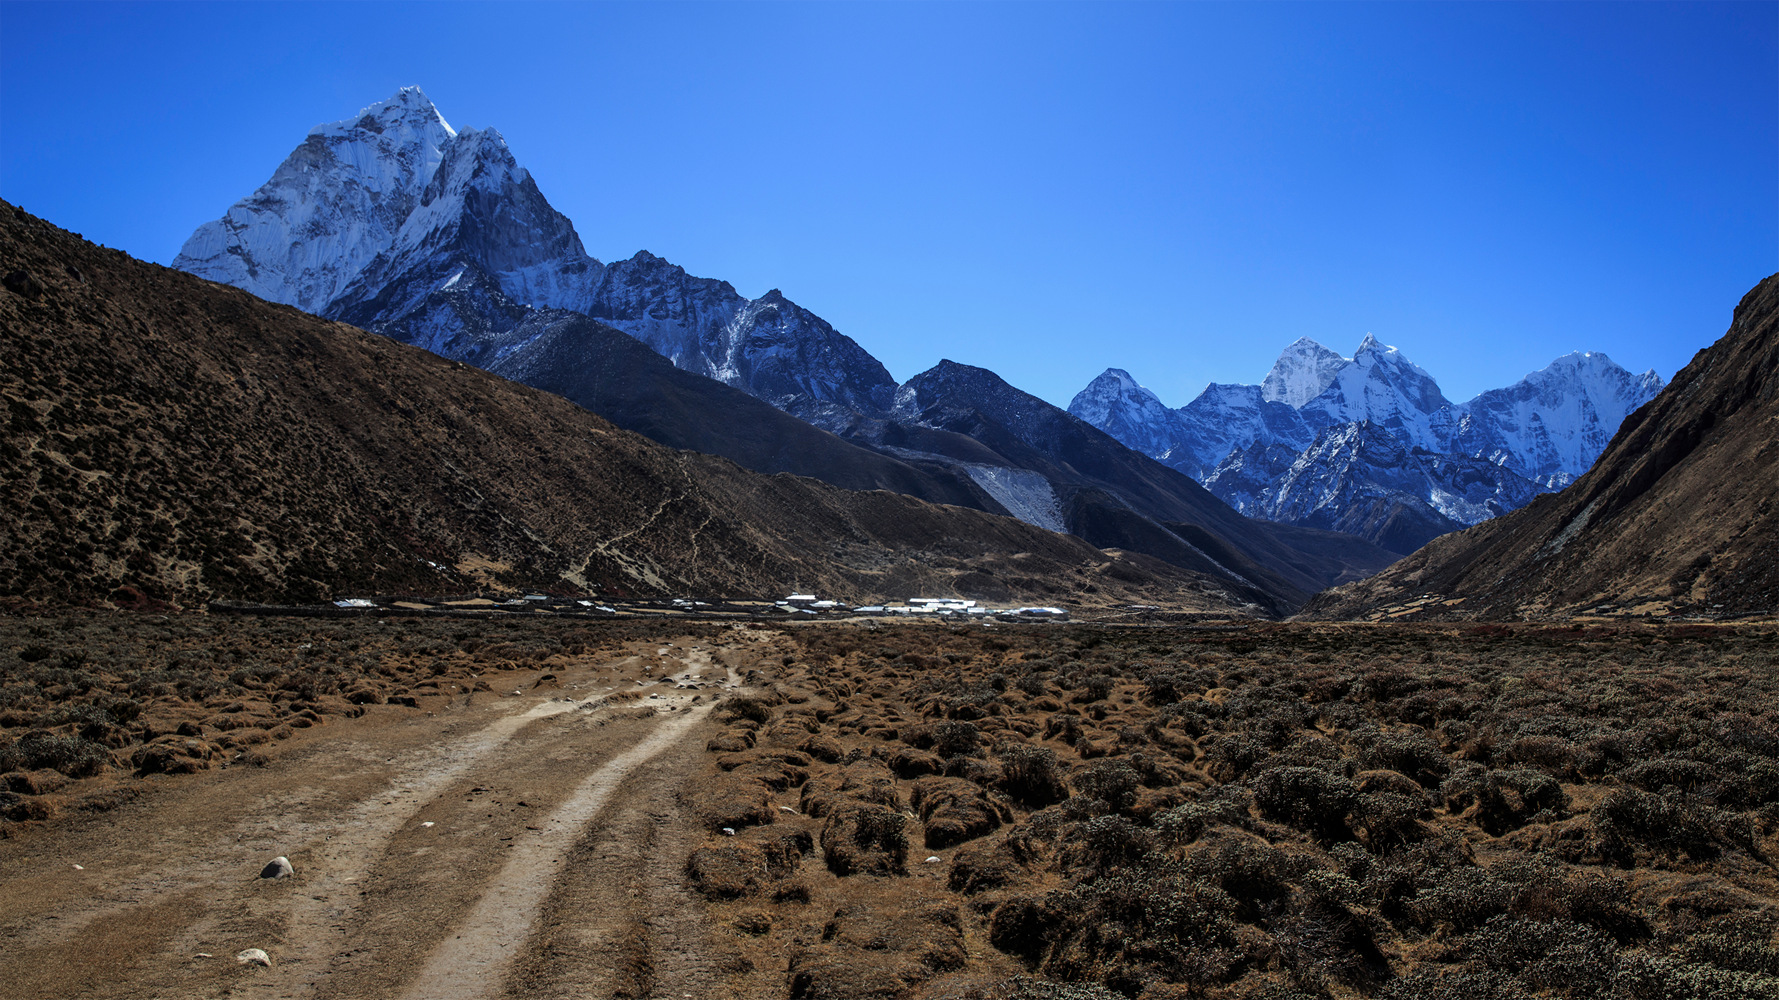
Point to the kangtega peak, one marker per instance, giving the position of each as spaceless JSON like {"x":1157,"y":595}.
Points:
{"x":1369,"y":444}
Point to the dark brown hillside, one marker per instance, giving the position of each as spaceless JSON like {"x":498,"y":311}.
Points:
{"x":167,"y":438}
{"x":1678,"y":515}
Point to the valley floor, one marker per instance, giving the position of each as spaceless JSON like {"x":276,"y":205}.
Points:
{"x":559,"y":809}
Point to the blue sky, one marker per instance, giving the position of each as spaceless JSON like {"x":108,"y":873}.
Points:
{"x":1041,"y":189}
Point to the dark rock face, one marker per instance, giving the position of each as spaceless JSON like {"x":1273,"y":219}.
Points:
{"x":23,"y":283}
{"x":1677,"y":515}
{"x":624,"y":381}
{"x":771,"y":347}
{"x":1354,"y":474}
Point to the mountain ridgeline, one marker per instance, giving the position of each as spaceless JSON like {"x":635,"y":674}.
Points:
{"x":1370,"y":445}
{"x":397,"y":223}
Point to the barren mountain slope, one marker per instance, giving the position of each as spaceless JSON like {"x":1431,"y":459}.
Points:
{"x":1678,"y":514}
{"x":172,"y":439}
{"x":627,"y":382}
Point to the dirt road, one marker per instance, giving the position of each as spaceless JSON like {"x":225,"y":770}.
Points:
{"x":525,"y":842}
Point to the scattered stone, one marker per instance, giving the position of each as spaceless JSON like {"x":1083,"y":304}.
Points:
{"x":254,"y":956}
{"x":23,"y":283}
{"x":932,"y":859}
{"x":278,"y":867}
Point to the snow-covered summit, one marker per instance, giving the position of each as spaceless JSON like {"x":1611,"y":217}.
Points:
{"x":409,"y":109}
{"x":1341,"y":430}
{"x":1303,"y":370}
{"x":395,"y":221}
{"x":330,"y":208}
{"x":1552,"y":424}
{"x":1130,"y":412}
{"x":1381,"y":386}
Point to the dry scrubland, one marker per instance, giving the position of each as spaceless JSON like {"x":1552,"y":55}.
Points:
{"x":1265,"y":810}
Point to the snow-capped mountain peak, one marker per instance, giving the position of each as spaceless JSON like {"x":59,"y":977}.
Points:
{"x":1381,"y":386}
{"x":1300,"y":374}
{"x":1116,"y":404}
{"x":1094,"y":403}
{"x":1552,"y":424}
{"x":409,"y":109}
{"x":1373,"y":435}
{"x":333,"y":205}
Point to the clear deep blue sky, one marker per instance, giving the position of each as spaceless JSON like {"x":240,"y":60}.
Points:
{"x":1044,"y":190}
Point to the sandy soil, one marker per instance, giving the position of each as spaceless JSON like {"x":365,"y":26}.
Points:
{"x":520,"y":842}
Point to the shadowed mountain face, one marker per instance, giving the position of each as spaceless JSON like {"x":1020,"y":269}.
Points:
{"x":173,"y":439}
{"x":1025,"y":451}
{"x":624,"y":381}
{"x":1678,"y":514}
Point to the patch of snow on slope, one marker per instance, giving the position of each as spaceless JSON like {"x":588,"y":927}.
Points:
{"x":1026,"y":494}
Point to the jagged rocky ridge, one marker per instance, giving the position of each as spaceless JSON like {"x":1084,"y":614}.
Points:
{"x":482,"y":270}
{"x":395,"y":221}
{"x":1369,"y":444}
{"x":1677,"y":516}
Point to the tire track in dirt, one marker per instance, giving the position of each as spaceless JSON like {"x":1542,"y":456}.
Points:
{"x":621,"y":919}
{"x":473,"y":962}
{"x":317,"y":917}
{"x":376,"y":891}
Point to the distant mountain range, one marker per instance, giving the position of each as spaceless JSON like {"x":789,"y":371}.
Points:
{"x":397,"y":223}
{"x":1369,"y":444}
{"x":175,"y":440}
{"x":1678,"y":517}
